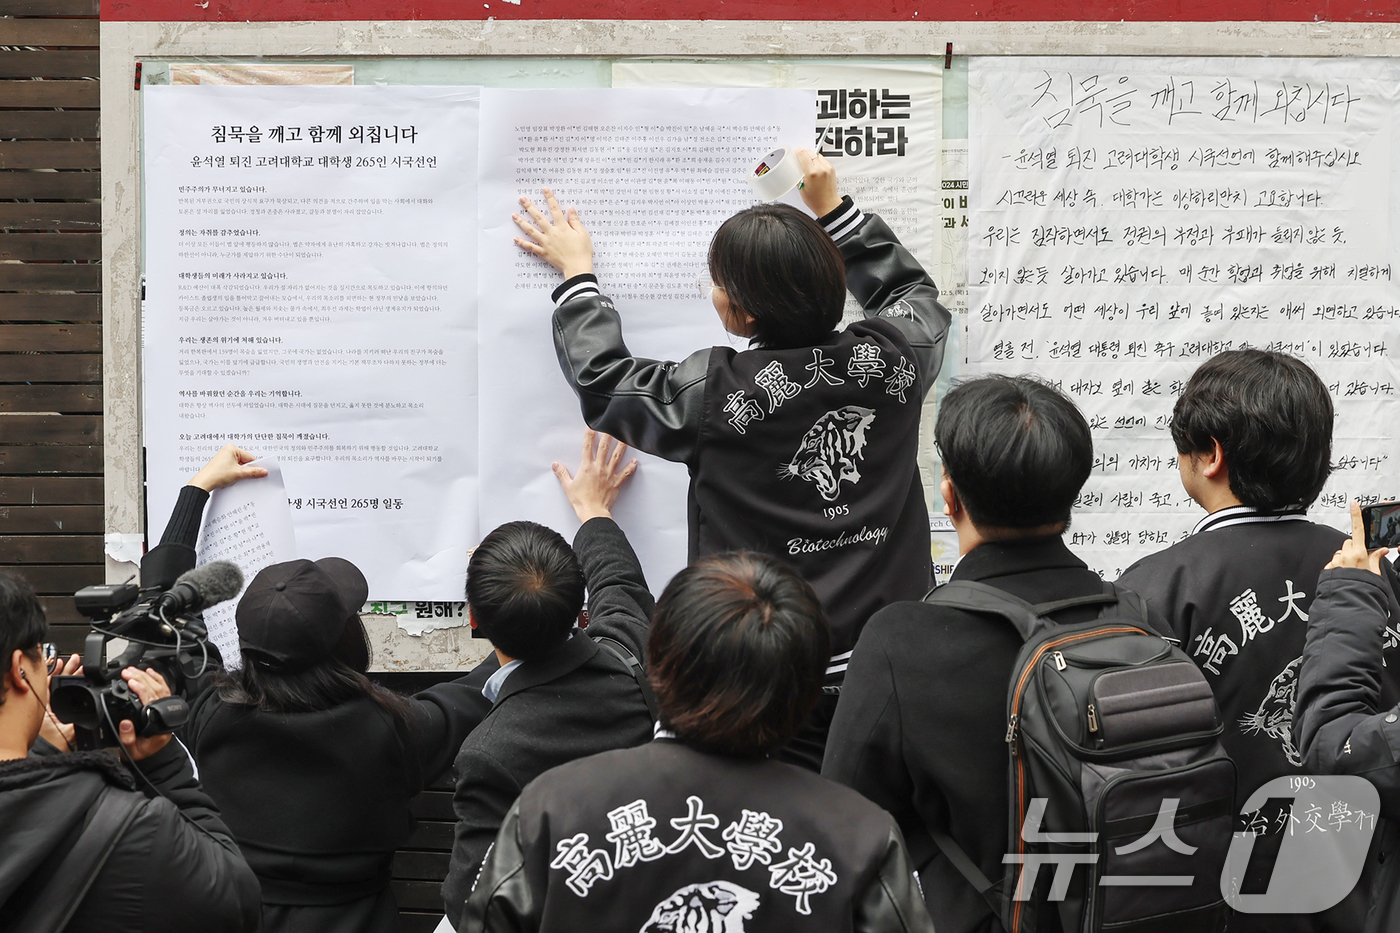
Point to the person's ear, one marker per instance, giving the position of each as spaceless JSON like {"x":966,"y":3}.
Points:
{"x":15,"y":677}
{"x":1211,"y":464}
{"x":951,"y":505}
{"x":471,"y":616}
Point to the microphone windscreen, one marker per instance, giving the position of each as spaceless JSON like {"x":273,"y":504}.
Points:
{"x":215,"y":582}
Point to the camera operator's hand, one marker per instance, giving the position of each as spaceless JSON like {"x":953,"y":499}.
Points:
{"x":1353,"y":553}
{"x":594,"y":490}
{"x":60,"y":734}
{"x":148,"y":686}
{"x":226,"y":468}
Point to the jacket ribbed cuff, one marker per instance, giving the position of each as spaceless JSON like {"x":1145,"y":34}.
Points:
{"x":576,"y":287}
{"x":842,"y":221}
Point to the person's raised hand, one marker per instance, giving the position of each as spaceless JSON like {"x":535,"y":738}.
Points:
{"x":818,"y":188}
{"x":226,"y":468}
{"x":593,"y":490}
{"x":148,"y":686}
{"x":558,"y":239}
{"x":1353,"y":553}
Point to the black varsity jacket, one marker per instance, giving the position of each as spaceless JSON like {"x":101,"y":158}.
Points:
{"x":664,"y":838}
{"x":809,"y":453}
{"x":1238,"y":593}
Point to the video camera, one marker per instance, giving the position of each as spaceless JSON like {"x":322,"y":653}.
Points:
{"x":160,"y":621}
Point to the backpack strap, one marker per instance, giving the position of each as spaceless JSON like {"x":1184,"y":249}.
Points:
{"x":634,"y":667}
{"x":981,"y":597}
{"x":65,"y":889}
{"x":986,"y":888}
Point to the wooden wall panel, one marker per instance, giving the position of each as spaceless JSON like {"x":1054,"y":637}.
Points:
{"x":51,"y":501}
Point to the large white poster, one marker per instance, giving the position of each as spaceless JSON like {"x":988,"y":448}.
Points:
{"x":310,"y":295}
{"x":653,"y":175}
{"x":1133,"y":217}
{"x":877,"y":122}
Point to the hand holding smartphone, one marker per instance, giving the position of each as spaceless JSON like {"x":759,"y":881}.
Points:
{"x":1382,"y":523}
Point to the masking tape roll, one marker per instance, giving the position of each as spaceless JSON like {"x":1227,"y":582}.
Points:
{"x":776,"y":174}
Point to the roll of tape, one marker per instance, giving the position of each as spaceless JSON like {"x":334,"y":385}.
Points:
{"x":776,"y":174}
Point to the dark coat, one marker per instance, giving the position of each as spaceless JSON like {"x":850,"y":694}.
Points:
{"x":576,"y":701}
{"x":921,"y":725}
{"x":807,"y":453}
{"x":1343,"y":726}
{"x":667,"y":838}
{"x":319,"y":801}
{"x":164,"y":876}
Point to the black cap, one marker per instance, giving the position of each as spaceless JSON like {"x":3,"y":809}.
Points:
{"x":294,"y":614}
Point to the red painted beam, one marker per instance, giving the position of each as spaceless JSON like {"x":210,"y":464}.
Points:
{"x":845,"y":10}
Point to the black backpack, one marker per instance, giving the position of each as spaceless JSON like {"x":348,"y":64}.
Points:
{"x":1107,"y":723}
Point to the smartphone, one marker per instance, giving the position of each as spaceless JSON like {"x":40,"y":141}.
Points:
{"x":1382,"y":523}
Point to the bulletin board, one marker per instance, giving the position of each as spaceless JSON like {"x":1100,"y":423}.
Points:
{"x":582,"y":54}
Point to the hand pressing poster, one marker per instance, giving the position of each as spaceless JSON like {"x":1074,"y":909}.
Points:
{"x":653,"y":174}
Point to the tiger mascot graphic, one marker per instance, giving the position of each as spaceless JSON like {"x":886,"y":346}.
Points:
{"x":830,"y":450}
{"x":712,"y":907}
{"x":1274,"y":717}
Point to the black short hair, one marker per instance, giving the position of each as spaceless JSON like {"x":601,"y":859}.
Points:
{"x":780,"y":267}
{"x":1273,"y":418}
{"x":525,"y":588}
{"x":23,"y":626}
{"x":1016,"y":449}
{"x":738,"y":649}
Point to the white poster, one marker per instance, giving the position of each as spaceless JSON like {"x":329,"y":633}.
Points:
{"x":1133,"y":217}
{"x":879,"y":123}
{"x":310,"y":295}
{"x":249,"y":524}
{"x":653,"y":175}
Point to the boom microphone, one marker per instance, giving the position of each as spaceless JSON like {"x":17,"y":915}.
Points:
{"x":201,"y":588}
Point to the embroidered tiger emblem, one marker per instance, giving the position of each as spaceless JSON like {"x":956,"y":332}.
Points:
{"x":830,"y":450}
{"x":1274,"y":717}
{"x":713,"y":907}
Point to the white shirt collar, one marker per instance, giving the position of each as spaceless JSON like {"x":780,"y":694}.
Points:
{"x":492,"y":688}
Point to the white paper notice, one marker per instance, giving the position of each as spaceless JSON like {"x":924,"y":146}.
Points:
{"x":1133,"y":217}
{"x":878,"y":123}
{"x":653,"y":174}
{"x":310,"y":294}
{"x":249,"y":524}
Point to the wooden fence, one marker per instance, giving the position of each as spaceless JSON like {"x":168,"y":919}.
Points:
{"x":50,"y":304}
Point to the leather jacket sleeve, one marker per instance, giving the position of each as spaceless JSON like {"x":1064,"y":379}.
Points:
{"x":1339,"y":725}
{"x":659,"y":407}
{"x":892,"y":902}
{"x":654,"y":406}
{"x":619,"y":603}
{"x":502,"y":900}
{"x":891,"y":285}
